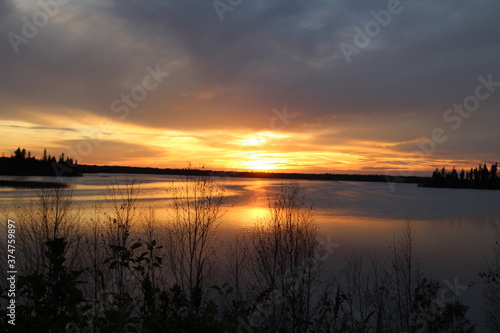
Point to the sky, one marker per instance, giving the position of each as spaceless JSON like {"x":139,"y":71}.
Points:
{"x":398,"y":87}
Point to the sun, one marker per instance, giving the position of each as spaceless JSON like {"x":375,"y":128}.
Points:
{"x":258,"y":139}
{"x":260,"y":164}
{"x":256,"y":152}
{"x":252,"y":141}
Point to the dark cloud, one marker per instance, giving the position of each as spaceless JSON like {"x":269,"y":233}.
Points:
{"x":66,"y":129}
{"x":286,"y":53}
{"x":5,"y":8}
{"x":231,"y":74}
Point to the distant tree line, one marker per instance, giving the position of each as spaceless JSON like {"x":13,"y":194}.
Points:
{"x":23,"y":163}
{"x":83,"y":168}
{"x":479,"y":177}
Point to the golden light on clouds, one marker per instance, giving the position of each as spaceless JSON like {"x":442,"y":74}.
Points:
{"x":259,"y":138}
{"x":111,"y":142}
{"x":199,"y":94}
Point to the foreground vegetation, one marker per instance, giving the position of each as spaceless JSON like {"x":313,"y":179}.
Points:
{"x":130,"y":272}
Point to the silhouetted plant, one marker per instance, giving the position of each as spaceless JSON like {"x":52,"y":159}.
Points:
{"x":390,"y":297}
{"x":119,"y":214}
{"x":491,"y":291}
{"x":51,"y":300}
{"x":197,"y":208}
{"x":434,"y":315}
{"x":136,"y":262}
{"x":52,"y":215}
{"x":275,"y":283}
{"x":285,"y":263}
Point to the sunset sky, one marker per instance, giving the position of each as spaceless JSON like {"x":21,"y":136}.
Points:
{"x":309,"y":86}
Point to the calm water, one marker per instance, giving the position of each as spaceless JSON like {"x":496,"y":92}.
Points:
{"x":454,"y":229}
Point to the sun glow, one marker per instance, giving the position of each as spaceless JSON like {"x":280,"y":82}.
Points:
{"x":261,"y":164}
{"x":257,"y":139}
{"x":263,"y":151}
{"x":252,"y":141}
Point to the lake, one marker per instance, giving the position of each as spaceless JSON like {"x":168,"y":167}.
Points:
{"x":454,"y":229}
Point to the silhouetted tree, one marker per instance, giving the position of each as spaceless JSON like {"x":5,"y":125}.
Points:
{"x":485,"y":174}
{"x":285,"y":262}
{"x":18,"y":154}
{"x":493,"y":172}
{"x":479,"y":177}
{"x":198,"y":207}
{"x":436,"y":175}
{"x":454,"y":174}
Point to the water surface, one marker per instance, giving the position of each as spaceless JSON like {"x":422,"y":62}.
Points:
{"x":454,"y":229}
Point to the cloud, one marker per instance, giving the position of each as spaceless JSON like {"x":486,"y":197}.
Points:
{"x":66,"y":129}
{"x":230,"y":75}
{"x":126,"y":153}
